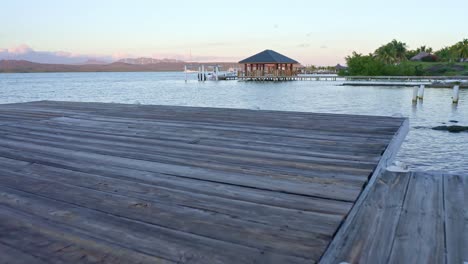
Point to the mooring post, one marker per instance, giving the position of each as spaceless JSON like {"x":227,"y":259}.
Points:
{"x":203,"y":72}
{"x":185,"y":70}
{"x":415,"y":94}
{"x":421,"y":92}
{"x":199,"y":73}
{"x":216,"y":72}
{"x":456,"y":91}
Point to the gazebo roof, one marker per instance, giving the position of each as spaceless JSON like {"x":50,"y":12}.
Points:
{"x":268,"y":56}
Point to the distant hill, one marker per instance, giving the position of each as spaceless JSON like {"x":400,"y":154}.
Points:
{"x":143,"y":60}
{"x":22,"y":66}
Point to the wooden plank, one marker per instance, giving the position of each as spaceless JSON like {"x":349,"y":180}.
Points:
{"x":385,"y":161}
{"x":420,"y":232}
{"x":232,"y":112}
{"x":28,"y":239}
{"x":303,"y":186}
{"x":187,"y":219}
{"x":305,"y":147}
{"x":250,"y":165}
{"x":455,"y":193}
{"x":12,"y":255}
{"x":258,"y":213}
{"x":133,"y":176}
{"x":370,"y":235}
{"x":140,"y":236}
{"x":180,"y":184}
{"x":311,"y":161}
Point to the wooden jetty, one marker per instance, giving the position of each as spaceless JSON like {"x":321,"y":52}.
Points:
{"x":429,"y":81}
{"x":115,"y":183}
{"x":408,"y":217}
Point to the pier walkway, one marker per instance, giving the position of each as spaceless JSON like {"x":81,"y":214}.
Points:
{"x":115,"y":183}
{"x":407,"y":217}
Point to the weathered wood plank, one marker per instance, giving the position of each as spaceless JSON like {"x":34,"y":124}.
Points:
{"x":138,"y":235}
{"x":186,"y":218}
{"x":455,"y":192}
{"x":296,"y":185}
{"x":305,"y":147}
{"x":184,"y":184}
{"x":12,"y":255}
{"x":132,"y":176}
{"x":29,"y":239}
{"x":372,"y":230}
{"x":188,"y":148}
{"x":420,"y":232}
{"x":318,"y":222}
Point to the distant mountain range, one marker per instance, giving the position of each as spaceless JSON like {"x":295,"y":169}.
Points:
{"x":143,"y":60}
{"x":125,"y":65}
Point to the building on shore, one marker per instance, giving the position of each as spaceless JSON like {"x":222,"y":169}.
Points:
{"x":268,"y":65}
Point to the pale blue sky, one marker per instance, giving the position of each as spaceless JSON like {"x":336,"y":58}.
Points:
{"x":313,"y":32}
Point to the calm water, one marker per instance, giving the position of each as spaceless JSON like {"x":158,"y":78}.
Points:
{"x":424,"y":149}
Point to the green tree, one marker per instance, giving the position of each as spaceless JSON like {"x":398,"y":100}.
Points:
{"x":364,"y":65}
{"x":461,"y":49}
{"x":392,"y":52}
{"x":424,"y":49}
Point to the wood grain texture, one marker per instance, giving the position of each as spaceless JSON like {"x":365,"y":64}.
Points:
{"x":115,"y":183}
{"x":417,"y":217}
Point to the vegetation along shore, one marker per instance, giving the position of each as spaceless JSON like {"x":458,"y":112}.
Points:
{"x":395,"y":59}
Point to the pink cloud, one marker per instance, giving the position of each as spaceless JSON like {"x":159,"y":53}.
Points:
{"x":25,"y":52}
{"x":21,"y":49}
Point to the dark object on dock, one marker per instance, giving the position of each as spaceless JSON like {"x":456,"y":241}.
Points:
{"x":115,"y":183}
{"x":453,"y":129}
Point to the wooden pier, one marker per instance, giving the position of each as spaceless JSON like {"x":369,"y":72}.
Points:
{"x":115,"y":183}
{"x":429,"y":81}
{"x":407,"y":217}
{"x":287,"y":77}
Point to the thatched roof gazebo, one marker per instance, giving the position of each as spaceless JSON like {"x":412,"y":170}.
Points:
{"x":267,"y":65}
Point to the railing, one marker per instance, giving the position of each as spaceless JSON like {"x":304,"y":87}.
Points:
{"x":269,"y":73}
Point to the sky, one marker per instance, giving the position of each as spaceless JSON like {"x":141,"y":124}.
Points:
{"x":312,"y":32}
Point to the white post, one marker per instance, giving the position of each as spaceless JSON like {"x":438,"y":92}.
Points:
{"x":199,"y":73}
{"x":456,"y":91}
{"x":415,"y":94}
{"x":185,"y":70}
{"x":421,"y":91}
{"x":203,"y":72}
{"x":216,"y":72}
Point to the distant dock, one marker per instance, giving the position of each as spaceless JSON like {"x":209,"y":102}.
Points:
{"x":429,"y":81}
{"x":295,"y":77}
{"x":117,"y":183}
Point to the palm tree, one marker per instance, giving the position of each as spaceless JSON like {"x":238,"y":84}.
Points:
{"x":461,"y":48}
{"x":400,"y":50}
{"x":444,"y":54}
{"x":387,"y":54}
{"x":424,"y":49}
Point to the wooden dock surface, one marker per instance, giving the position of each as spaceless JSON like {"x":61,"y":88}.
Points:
{"x":408,"y":217}
{"x":115,"y":183}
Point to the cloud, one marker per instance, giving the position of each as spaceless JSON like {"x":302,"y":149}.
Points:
{"x":21,"y":49}
{"x":304,"y":45}
{"x":323,"y":47}
{"x":24,"y":52}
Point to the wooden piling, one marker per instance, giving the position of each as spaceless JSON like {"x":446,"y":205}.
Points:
{"x":421,"y":92}
{"x":415,"y":94}
{"x":456,"y":93}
